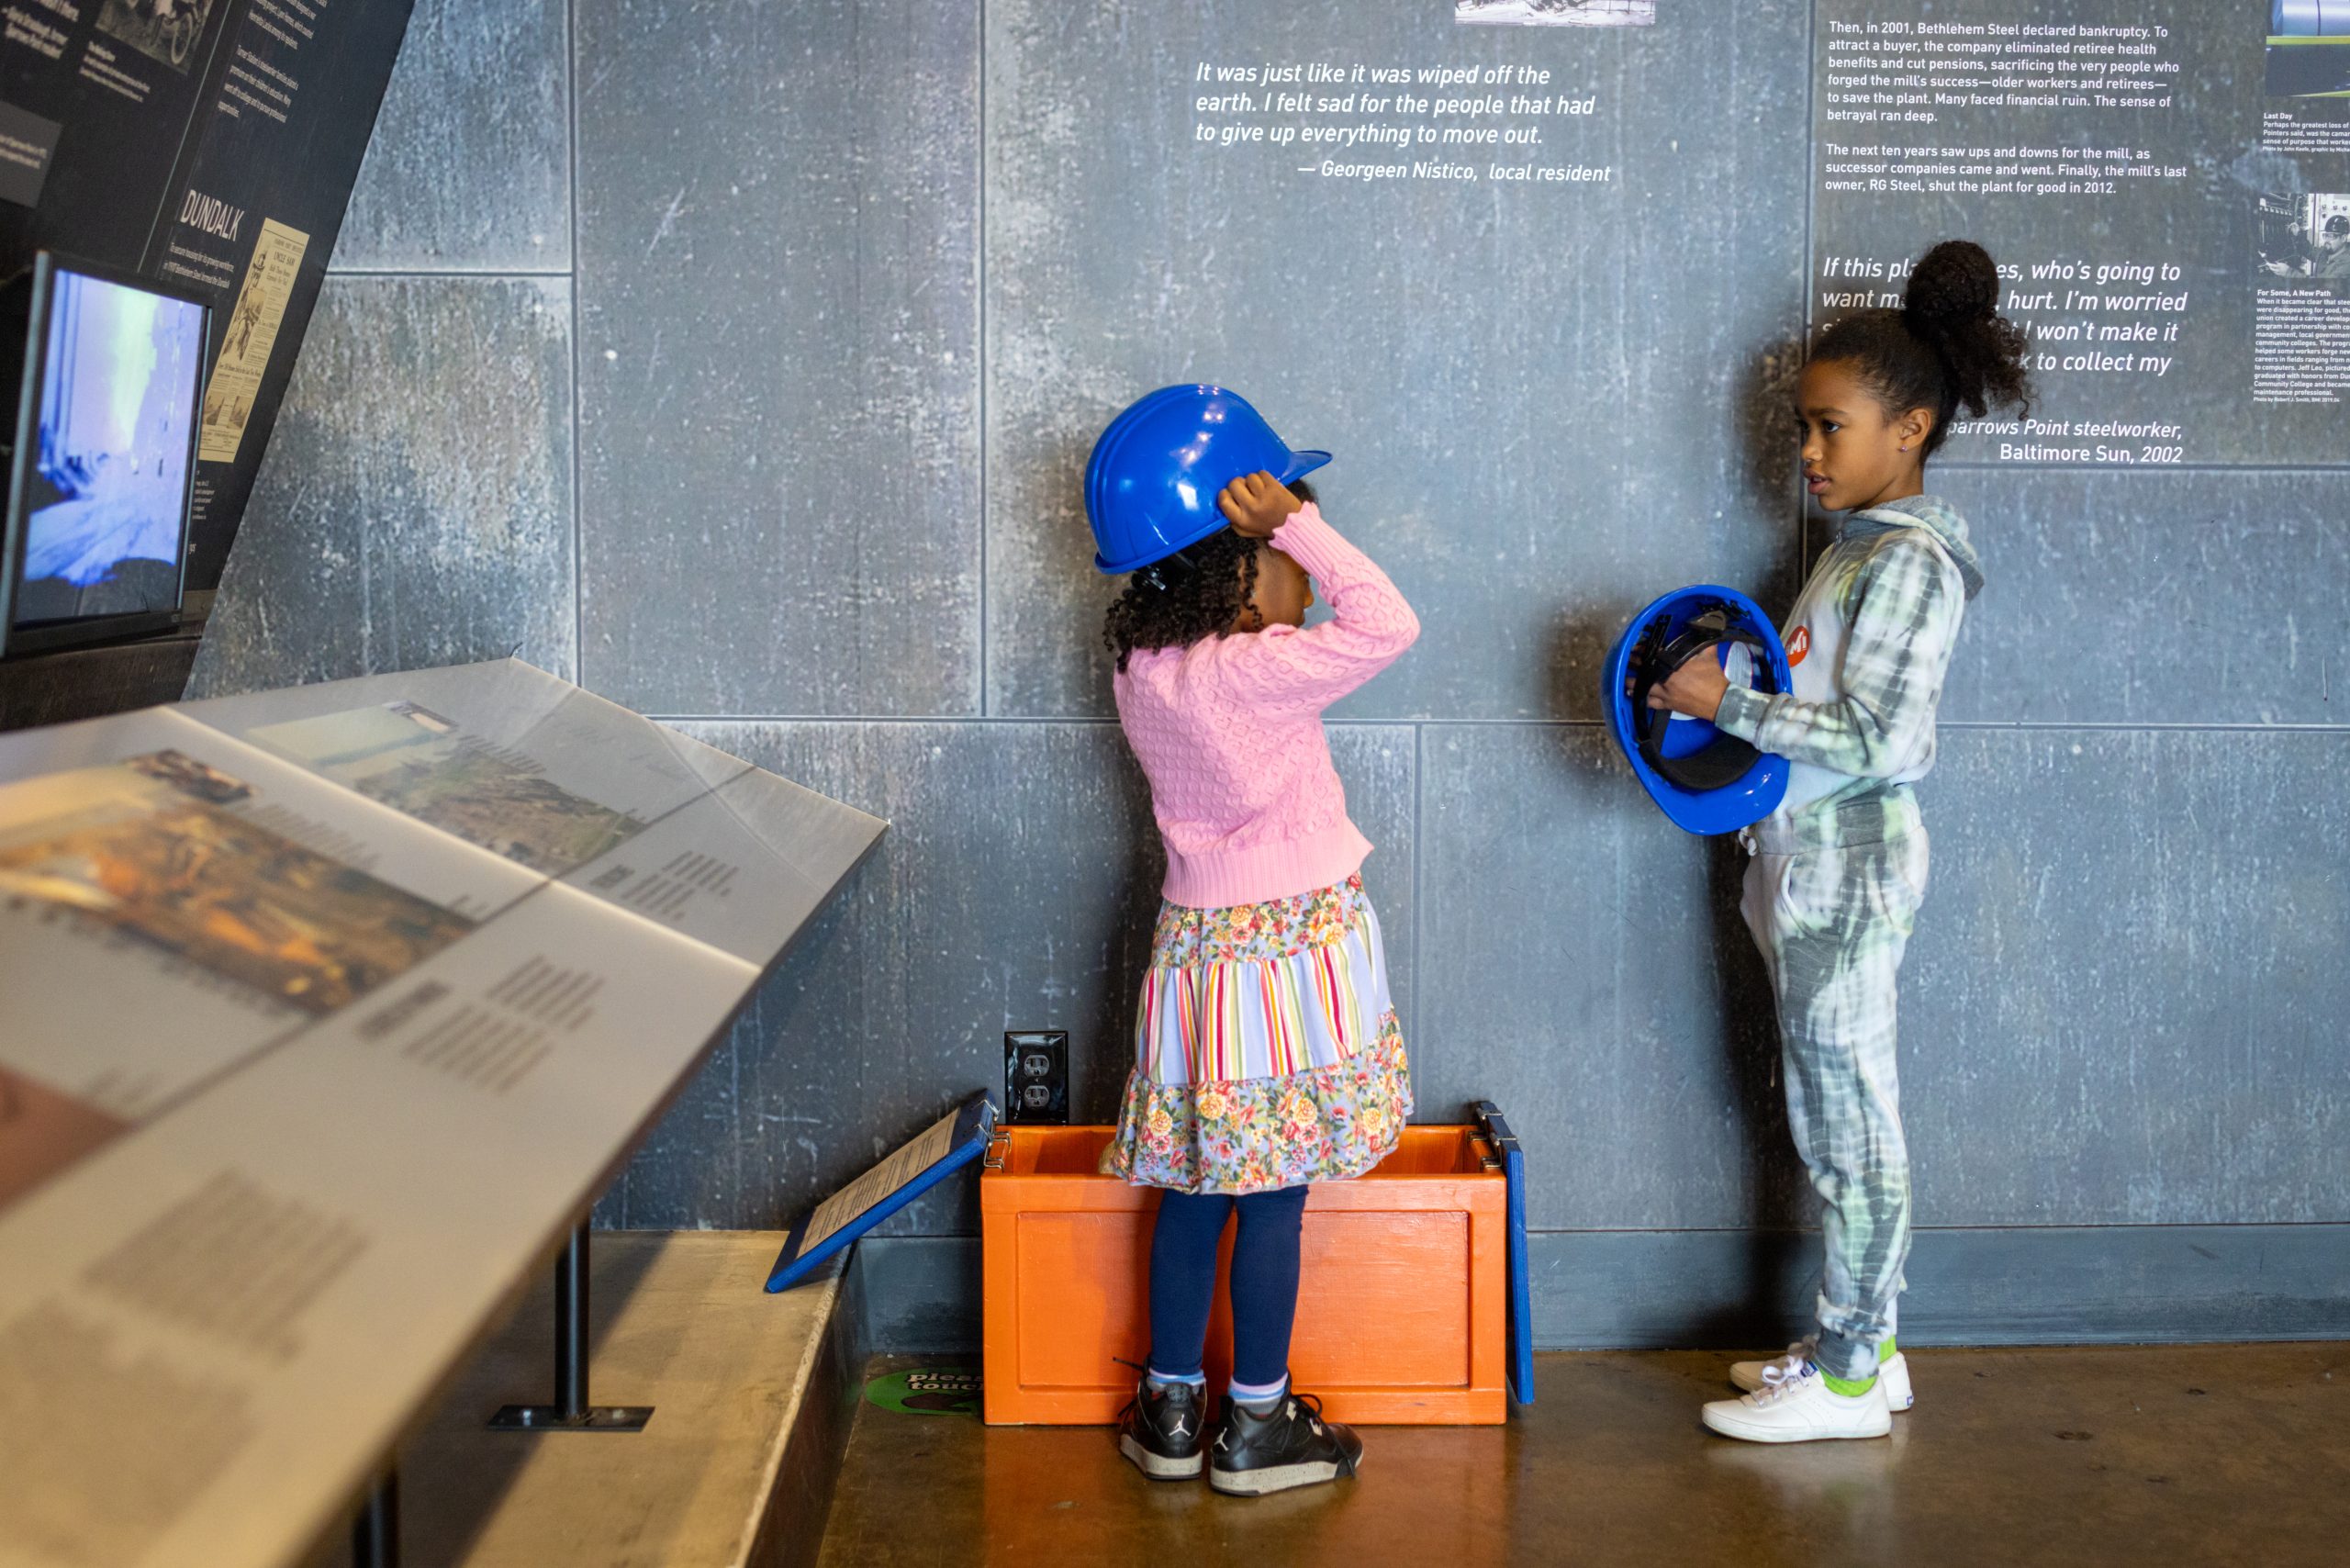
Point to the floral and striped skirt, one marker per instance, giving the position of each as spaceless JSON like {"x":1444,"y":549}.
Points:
{"x":1266,"y":1053}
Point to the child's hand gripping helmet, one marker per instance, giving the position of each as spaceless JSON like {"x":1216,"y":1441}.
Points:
{"x":1708,"y":782}
{"x":1151,"y":483}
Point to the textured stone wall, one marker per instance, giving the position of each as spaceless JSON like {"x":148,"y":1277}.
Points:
{"x":739,"y":362}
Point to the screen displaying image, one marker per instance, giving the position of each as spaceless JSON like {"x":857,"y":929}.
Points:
{"x":106,"y":488}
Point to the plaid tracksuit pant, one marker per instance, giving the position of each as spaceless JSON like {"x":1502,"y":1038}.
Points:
{"x":1831,"y":897}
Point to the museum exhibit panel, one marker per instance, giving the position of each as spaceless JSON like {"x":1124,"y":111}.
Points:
{"x":360,"y":990}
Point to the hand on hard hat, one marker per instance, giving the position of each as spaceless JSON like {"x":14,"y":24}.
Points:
{"x":1669,"y":660}
{"x":1695,"y":688}
{"x":1256,"y":504}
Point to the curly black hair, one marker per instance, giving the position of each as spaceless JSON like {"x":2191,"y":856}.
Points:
{"x":1193,"y":594}
{"x":1947,"y":347}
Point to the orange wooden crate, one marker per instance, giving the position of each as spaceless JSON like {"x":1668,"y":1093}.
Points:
{"x":1400,"y":1303}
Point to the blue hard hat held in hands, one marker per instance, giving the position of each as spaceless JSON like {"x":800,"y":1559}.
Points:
{"x":1708,"y":782}
{"x":1151,"y":483}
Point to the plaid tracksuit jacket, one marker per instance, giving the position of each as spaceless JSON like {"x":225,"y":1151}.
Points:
{"x":1838,"y":873}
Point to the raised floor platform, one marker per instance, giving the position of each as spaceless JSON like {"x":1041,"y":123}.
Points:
{"x":735,"y":1468}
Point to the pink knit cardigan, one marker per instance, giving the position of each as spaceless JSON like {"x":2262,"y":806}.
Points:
{"x":1229,"y":733}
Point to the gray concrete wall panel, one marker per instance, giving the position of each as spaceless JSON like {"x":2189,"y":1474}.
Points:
{"x":2208,"y":597}
{"x":414,"y":506}
{"x":2124,"y":1002}
{"x":779,"y":352}
{"x":2122,"y":1006}
{"x":1585,"y":968}
{"x":470,"y":168}
{"x":1546,"y":483}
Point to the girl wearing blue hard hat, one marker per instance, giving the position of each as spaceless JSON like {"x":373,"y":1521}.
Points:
{"x":1267,"y":1051}
{"x":1837,"y":870}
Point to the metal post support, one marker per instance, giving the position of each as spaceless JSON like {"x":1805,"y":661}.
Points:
{"x":375,"y":1533}
{"x":571,"y":1328}
{"x":571,"y":1412}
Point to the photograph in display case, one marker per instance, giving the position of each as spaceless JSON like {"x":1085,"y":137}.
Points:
{"x":415,"y":761}
{"x":128,"y":848}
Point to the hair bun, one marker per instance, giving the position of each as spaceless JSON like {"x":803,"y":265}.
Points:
{"x":1946,"y":349}
{"x":1954,"y":284}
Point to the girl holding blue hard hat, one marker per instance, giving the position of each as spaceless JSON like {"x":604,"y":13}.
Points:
{"x":1267,"y":1051}
{"x":1839,"y":867}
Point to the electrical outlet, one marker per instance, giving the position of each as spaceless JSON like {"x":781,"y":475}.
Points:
{"x":1035,"y":1076}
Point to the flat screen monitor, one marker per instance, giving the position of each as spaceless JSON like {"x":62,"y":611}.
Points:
{"x":102,"y":471}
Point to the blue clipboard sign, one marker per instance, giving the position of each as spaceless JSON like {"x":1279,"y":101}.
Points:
{"x":1504,"y":1144}
{"x":949,"y":1144}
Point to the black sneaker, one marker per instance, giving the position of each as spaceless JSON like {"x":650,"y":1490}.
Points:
{"x":1159,"y":1430}
{"x":1289,"y":1446}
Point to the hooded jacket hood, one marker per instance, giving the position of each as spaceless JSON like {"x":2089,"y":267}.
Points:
{"x":1931,"y":513}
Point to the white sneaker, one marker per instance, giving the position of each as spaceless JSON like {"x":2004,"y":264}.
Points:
{"x":1802,"y":1409}
{"x":1892,"y":1375}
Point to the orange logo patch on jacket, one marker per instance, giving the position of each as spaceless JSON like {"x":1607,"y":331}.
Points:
{"x":1798,"y":646}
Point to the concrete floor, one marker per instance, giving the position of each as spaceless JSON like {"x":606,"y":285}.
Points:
{"x":2145,"y":1458}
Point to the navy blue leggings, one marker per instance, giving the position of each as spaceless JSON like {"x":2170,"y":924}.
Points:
{"x":1264,"y":1281}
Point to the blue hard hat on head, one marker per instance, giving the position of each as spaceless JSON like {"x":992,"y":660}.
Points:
{"x":1151,"y":483}
{"x":1708,"y":782}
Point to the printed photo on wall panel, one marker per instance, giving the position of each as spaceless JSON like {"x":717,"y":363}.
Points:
{"x":1555,"y":13}
{"x":2309,"y":48}
{"x":167,"y":30}
{"x":2305,"y":238}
